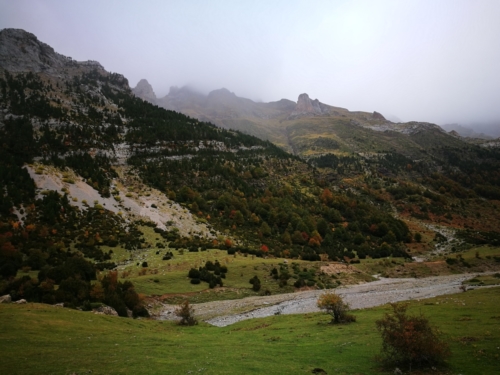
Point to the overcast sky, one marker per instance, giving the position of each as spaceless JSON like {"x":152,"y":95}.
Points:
{"x":426,"y":60}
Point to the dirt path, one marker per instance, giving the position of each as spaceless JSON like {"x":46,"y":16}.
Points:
{"x":380,"y":292}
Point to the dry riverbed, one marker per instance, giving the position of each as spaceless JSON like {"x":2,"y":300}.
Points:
{"x":380,"y":292}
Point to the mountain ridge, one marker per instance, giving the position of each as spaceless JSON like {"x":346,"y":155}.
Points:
{"x":280,"y":121}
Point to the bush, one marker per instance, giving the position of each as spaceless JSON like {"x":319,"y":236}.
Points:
{"x":255,"y":283}
{"x":418,"y":237}
{"x":186,"y":313}
{"x":410,"y":340}
{"x":194,"y":273}
{"x":300,"y":283}
{"x":140,"y":311}
{"x":336,"y":307}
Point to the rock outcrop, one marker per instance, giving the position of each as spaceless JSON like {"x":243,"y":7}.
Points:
{"x":145,"y":91}
{"x":105,"y":310}
{"x":306,"y":106}
{"x":378,"y":116}
{"x":21,"y":51}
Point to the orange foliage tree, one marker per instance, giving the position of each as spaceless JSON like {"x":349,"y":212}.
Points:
{"x":410,"y":340}
{"x":336,"y":307}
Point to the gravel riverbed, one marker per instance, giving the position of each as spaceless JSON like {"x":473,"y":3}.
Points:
{"x":380,"y":292}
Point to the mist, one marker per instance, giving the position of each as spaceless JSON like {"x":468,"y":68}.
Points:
{"x":434,"y":61}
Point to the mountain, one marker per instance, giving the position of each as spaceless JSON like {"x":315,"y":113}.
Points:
{"x":88,"y":169}
{"x":307,"y":127}
{"x":96,"y":180}
{"x":468,"y":132}
{"x":144,"y":91}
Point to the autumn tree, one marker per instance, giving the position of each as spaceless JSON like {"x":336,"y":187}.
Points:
{"x":326,"y":197}
{"x":315,"y":239}
{"x":336,"y":307}
{"x":410,"y":340}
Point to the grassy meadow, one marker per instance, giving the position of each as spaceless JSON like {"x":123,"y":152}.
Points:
{"x":169,"y":277}
{"x":42,"y":339}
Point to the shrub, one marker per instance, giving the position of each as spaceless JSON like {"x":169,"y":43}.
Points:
{"x":451,"y":261}
{"x":255,"y":283}
{"x":140,"y":310}
{"x":336,"y":307}
{"x":186,"y":313}
{"x":410,"y":340}
{"x":194,"y":273}
{"x":418,"y":237}
{"x":300,"y":283}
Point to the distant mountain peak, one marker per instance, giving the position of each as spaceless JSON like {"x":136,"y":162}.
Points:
{"x":144,"y":91}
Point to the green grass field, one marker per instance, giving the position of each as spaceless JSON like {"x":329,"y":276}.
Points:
{"x":41,"y":339}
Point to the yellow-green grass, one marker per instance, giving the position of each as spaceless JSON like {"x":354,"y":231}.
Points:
{"x":484,"y":280}
{"x":484,"y":252}
{"x":378,"y":266}
{"x":170,"y":276}
{"x":41,"y":339}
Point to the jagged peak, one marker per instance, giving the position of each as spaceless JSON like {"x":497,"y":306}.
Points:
{"x":303,"y":96}
{"x":307,"y":106}
{"x":143,"y":82}
{"x":144,"y":90}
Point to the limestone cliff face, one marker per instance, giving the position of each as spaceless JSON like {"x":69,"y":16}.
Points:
{"x":21,"y":51}
{"x":145,"y":91}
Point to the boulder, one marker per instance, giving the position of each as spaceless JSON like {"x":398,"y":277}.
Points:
{"x":105,"y":310}
{"x":6,"y":299}
{"x":21,"y":301}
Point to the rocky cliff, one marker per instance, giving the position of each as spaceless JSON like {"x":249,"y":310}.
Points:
{"x":144,"y":91}
{"x":21,"y":51}
{"x":306,"y":106}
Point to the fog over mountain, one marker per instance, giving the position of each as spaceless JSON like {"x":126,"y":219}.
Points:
{"x":476,"y":130}
{"x":414,"y":60}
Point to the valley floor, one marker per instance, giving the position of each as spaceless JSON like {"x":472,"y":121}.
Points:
{"x":376,"y":293}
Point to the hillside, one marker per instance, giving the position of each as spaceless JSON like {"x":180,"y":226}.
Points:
{"x":370,"y":154}
{"x":103,"y":190}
